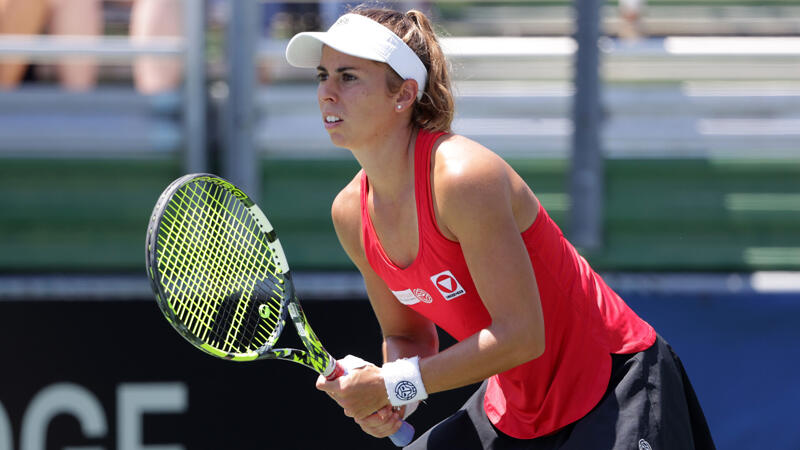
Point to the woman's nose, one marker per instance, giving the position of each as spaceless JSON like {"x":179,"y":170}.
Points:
{"x":326,"y":92}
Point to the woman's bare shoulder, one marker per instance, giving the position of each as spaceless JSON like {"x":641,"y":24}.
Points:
{"x":462,"y":164}
{"x":348,"y":200}
{"x":470,"y":179}
{"x":346,"y":216}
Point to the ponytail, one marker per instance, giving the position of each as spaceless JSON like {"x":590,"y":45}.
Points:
{"x":435,"y":110}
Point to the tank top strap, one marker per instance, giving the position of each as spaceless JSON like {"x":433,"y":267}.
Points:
{"x":369,"y":238}
{"x":422,"y":179}
{"x":366,"y":222}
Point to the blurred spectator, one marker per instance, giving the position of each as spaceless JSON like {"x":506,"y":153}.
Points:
{"x":630,"y":12}
{"x":58,"y":17}
{"x":329,"y":11}
{"x":156,"y":18}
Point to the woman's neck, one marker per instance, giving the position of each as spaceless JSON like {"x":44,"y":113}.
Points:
{"x":390,"y":166}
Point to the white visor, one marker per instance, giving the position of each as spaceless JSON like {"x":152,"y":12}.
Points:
{"x":362,"y":37}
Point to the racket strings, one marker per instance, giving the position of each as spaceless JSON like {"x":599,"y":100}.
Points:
{"x":225,"y":318}
{"x":217,"y":268}
{"x":233,"y":259}
{"x":195,"y":274}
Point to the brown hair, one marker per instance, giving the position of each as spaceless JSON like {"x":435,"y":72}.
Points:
{"x":435,"y":110}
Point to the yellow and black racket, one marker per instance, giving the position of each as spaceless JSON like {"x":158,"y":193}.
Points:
{"x":221,"y":279}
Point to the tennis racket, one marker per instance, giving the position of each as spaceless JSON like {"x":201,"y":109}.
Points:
{"x":221,"y":279}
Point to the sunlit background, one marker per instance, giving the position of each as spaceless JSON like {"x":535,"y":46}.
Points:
{"x":662,"y":135}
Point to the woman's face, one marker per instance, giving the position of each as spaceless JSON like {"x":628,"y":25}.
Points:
{"x":356,"y":105}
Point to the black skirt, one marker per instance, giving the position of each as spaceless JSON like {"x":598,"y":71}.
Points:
{"x":649,"y":404}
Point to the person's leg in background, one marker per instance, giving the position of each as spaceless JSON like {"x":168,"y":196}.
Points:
{"x":77,"y":18}
{"x":19,"y":17}
{"x":156,"y":18}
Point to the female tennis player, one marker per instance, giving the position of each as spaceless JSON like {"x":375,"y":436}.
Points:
{"x":445,"y":233}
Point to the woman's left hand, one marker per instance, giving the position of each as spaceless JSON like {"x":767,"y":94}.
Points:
{"x":360,"y":393}
{"x":384,"y":422}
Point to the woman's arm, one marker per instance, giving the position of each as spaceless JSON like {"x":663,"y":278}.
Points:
{"x":483,"y":204}
{"x":405,"y":332}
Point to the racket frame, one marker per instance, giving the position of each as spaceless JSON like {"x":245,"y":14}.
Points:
{"x":314,"y":356}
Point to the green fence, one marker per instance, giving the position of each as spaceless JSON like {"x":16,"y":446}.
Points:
{"x":77,"y":215}
{"x":661,"y":214}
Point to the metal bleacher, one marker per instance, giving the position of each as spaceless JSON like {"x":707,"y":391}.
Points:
{"x":79,"y":171}
{"x":701,"y":149}
{"x":105,"y":123}
{"x":701,"y":146}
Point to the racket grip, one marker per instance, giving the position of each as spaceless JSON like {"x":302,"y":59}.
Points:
{"x":401,"y":437}
{"x":404,"y":435}
{"x":338,"y":371}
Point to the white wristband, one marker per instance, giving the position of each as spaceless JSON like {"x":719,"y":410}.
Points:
{"x":410,"y":408}
{"x":403,"y":381}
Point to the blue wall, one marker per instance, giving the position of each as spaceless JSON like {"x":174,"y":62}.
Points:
{"x":739,"y":350}
{"x":741,"y":353}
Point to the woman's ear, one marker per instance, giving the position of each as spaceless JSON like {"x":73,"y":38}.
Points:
{"x":404,"y":99}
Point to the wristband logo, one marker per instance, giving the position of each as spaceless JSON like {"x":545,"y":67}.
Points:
{"x":405,"y":390}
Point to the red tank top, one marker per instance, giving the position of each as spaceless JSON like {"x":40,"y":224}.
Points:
{"x":585,"y":321}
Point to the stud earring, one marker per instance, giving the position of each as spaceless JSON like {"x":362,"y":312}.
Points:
{"x":399,"y":107}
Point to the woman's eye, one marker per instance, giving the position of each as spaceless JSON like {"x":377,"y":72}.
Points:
{"x":348,"y":77}
{"x":322,"y":76}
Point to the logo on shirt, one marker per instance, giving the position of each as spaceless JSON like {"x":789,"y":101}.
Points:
{"x":410,"y":297}
{"x":423,"y":296}
{"x":447,"y":285}
{"x":644,"y":445}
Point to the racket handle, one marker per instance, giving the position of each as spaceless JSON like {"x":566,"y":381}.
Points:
{"x":403,"y":436}
{"x":338,"y":371}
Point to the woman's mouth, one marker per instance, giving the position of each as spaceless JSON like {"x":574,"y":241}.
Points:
{"x":331,"y":121}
